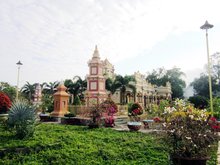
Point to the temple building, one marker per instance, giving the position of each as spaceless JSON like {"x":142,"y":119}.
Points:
{"x":146,"y":93}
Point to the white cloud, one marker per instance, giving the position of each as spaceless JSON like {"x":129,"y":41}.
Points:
{"x":55,"y":39}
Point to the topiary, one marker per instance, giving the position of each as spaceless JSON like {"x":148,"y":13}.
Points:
{"x":5,"y":103}
{"x":22,"y":118}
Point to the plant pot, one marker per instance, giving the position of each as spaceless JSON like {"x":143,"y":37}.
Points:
{"x":134,"y":126}
{"x":3,"y":117}
{"x":189,"y":161}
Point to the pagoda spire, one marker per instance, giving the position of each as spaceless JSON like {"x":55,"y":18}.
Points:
{"x":96,"y":52}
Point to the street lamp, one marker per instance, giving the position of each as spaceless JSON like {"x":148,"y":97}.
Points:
{"x":205,"y":27}
{"x":19,"y":65}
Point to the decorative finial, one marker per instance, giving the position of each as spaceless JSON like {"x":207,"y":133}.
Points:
{"x":96,"y":52}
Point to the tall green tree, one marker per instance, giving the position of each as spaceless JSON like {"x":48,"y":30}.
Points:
{"x":76,"y":87}
{"x":28,"y":90}
{"x":123,"y":83}
{"x":80,"y":86}
{"x":161,"y":76}
{"x":201,"y":86}
{"x":50,"y":88}
{"x":110,"y":86}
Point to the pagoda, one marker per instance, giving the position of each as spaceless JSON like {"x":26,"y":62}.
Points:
{"x":96,"y":92}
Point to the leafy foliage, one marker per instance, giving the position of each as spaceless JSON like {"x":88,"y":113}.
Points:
{"x":8,"y":89}
{"x":198,"y":101}
{"x":188,"y":130}
{"x":28,"y":90}
{"x":134,"y":110}
{"x":65,"y":144}
{"x":201,"y":86}
{"x":47,"y":103}
{"x":122,"y":83}
{"x":22,"y":118}
{"x":77,"y":101}
{"x":5,"y":103}
{"x":161,"y":76}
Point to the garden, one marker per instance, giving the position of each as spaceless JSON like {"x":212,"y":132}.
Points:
{"x":186,"y":133}
{"x":67,"y":144}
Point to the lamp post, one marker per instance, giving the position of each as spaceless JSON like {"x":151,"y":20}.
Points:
{"x":205,"y":27}
{"x":19,"y":65}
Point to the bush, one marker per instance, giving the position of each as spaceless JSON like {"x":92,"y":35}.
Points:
{"x":22,"y":118}
{"x":5,"y":103}
{"x":198,"y":101}
{"x":134,"y":111}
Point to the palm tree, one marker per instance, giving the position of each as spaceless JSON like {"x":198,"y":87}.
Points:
{"x":75,"y":87}
{"x":70,"y":89}
{"x":50,"y":88}
{"x":28,"y":90}
{"x":122,"y":83}
{"x":79,"y":86}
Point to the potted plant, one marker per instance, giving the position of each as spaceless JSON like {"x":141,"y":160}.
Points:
{"x":96,"y":113}
{"x":110,"y":108}
{"x":5,"y":104}
{"x":134,"y":111}
{"x":189,"y":135}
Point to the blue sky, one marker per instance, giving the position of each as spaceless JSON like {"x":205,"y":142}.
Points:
{"x":54,"y":39}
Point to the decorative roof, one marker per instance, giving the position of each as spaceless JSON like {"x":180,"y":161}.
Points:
{"x":96,"y":53}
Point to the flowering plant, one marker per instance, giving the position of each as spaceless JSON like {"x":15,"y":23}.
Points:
{"x":106,"y":109}
{"x":188,"y":131}
{"x":157,"y":119}
{"x":109,"y":106}
{"x":134,"y":110}
{"x":5,"y":103}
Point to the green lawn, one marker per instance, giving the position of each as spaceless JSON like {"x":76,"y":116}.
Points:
{"x":65,"y":144}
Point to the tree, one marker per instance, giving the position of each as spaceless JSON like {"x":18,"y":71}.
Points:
{"x":161,"y":76}
{"x":9,"y":90}
{"x":201,"y":86}
{"x":50,"y":88}
{"x":122,"y":83}
{"x":198,"y":101}
{"x":77,"y":101}
{"x":110,"y":86}
{"x":28,"y":90}
{"x":76,"y":87}
{"x":47,"y":103}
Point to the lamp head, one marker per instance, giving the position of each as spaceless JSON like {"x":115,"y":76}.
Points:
{"x":19,"y":63}
{"x":206,"y":26}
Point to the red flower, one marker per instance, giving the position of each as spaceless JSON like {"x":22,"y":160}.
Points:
{"x":5,"y":103}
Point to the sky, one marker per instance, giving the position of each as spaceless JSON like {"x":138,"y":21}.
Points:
{"x":54,"y":39}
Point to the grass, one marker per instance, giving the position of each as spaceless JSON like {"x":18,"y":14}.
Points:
{"x":66,"y":144}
